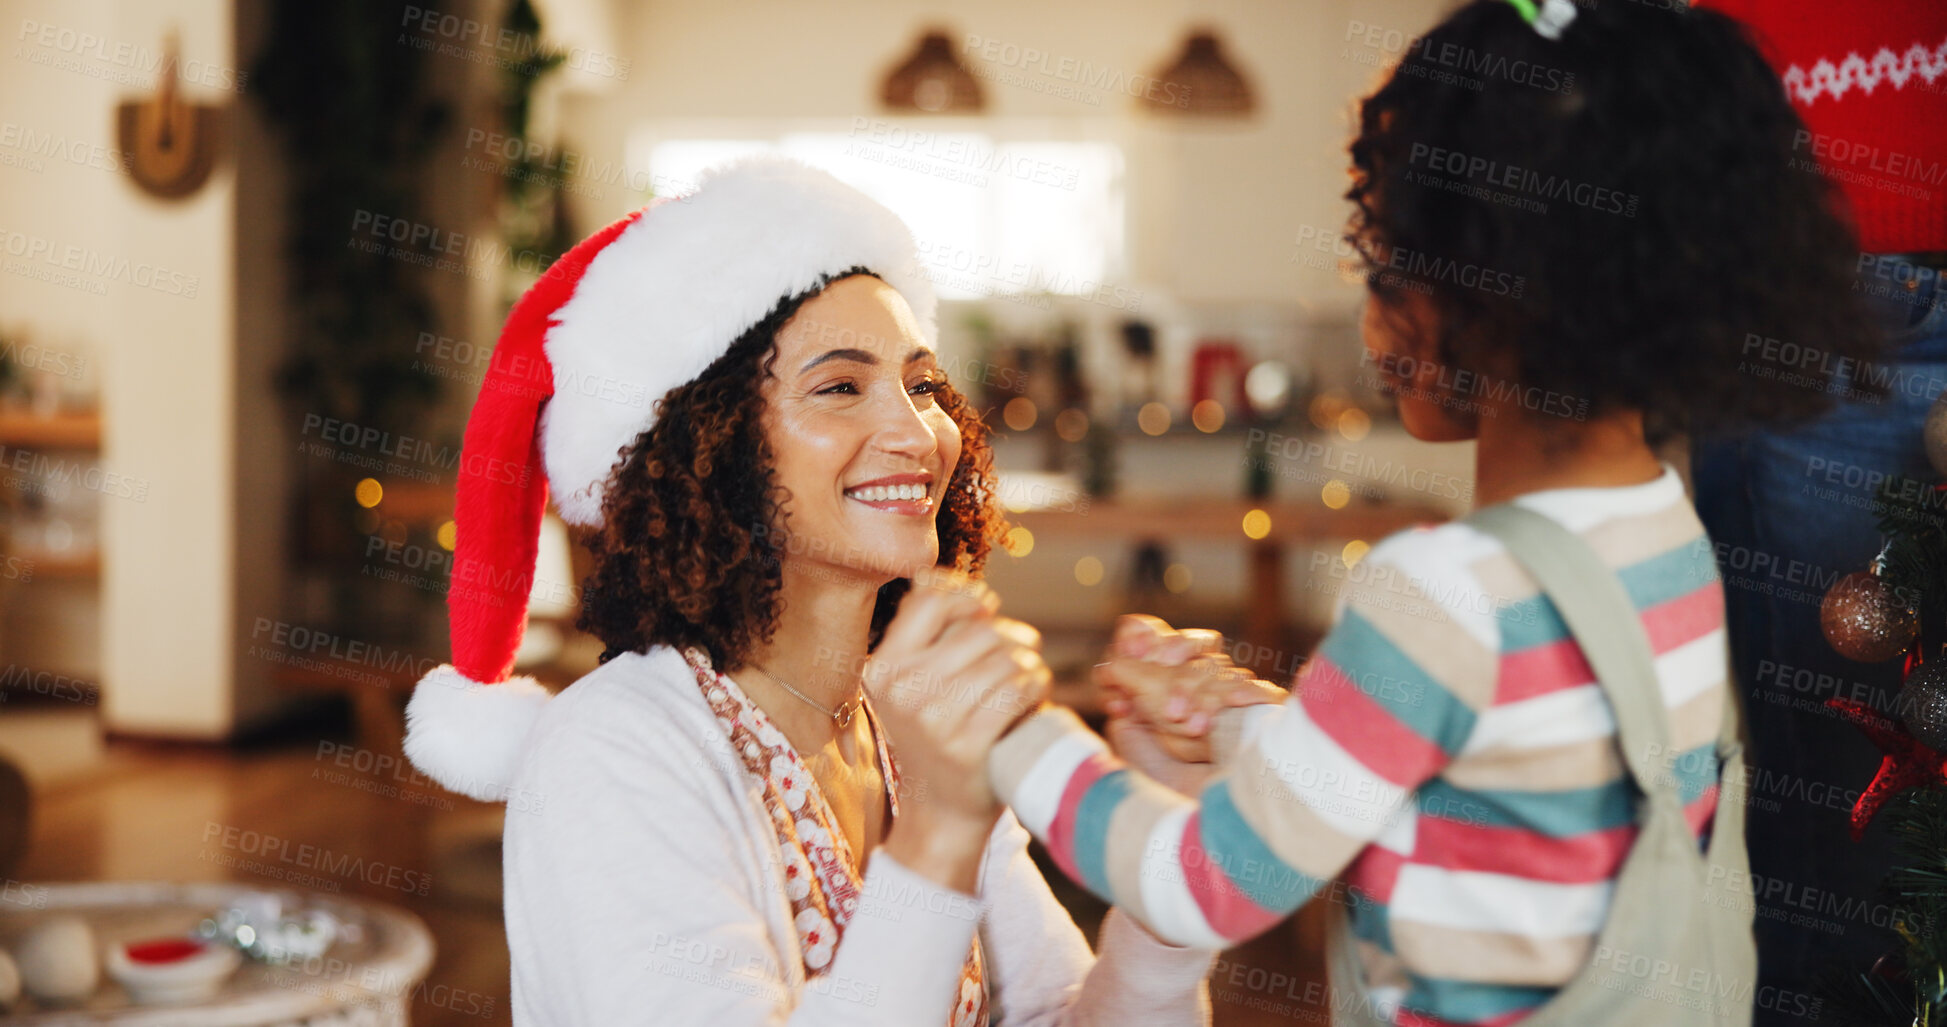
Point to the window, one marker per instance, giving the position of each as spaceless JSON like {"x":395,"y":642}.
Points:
{"x":992,"y":216}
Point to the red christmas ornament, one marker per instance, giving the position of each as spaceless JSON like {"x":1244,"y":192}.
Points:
{"x":1908,"y":763}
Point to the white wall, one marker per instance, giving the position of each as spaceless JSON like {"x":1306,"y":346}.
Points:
{"x":165,"y":356}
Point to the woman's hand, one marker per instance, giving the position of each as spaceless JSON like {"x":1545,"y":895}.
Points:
{"x":1164,"y":689}
{"x":947,"y":680}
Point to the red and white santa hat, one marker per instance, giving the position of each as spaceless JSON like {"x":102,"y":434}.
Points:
{"x":633,"y":311}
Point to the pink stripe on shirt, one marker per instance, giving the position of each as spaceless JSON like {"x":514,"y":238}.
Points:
{"x":1554,"y":666}
{"x":1225,"y":907}
{"x":1367,"y":731}
{"x":1581,"y":859}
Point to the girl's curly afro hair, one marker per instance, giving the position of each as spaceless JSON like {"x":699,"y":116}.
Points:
{"x":1625,"y":216}
{"x":690,"y":550}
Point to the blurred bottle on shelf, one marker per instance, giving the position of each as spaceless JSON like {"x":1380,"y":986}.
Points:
{"x":1138,"y":380}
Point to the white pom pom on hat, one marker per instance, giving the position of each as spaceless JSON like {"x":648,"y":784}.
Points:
{"x":633,"y":311}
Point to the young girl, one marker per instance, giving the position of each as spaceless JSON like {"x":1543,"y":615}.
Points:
{"x":1584,"y":231}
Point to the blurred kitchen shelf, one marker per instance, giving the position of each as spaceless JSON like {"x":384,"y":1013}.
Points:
{"x":1300,"y":523}
{"x":77,"y":430}
{"x":62,"y":566}
{"x":417,"y":502}
{"x":1191,"y":517}
{"x":22,"y":688}
{"x":1180,"y":427}
{"x":49,"y":724}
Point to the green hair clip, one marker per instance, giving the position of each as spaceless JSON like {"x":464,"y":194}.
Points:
{"x":1549,"y":19}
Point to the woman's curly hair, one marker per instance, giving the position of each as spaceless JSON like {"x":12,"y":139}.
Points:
{"x":1620,"y":216}
{"x":691,"y":547}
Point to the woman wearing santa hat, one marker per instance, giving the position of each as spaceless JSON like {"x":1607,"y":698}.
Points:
{"x":737,"y":394}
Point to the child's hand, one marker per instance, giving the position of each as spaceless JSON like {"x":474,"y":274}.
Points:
{"x":1174,"y":683}
{"x":1147,"y":749}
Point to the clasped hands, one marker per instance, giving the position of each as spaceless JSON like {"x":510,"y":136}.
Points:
{"x":951,"y":676}
{"x":1164,"y":689}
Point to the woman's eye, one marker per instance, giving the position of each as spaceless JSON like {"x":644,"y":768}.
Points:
{"x":840,"y":389}
{"x":928,"y":386}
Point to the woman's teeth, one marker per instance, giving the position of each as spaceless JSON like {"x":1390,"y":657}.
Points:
{"x":888,"y":493}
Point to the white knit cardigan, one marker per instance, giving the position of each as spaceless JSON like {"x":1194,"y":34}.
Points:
{"x":643,"y":886}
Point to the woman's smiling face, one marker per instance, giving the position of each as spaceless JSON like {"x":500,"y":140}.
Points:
{"x":858,"y":442}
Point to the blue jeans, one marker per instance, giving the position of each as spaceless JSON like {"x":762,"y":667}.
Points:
{"x":1790,"y":512}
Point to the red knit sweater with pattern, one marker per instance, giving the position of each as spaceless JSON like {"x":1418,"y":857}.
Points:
{"x":1870,"y":80}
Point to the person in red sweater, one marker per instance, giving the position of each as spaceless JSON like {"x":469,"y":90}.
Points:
{"x":1869,"y":81}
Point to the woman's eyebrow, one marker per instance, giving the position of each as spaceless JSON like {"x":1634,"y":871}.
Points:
{"x":859,"y":356}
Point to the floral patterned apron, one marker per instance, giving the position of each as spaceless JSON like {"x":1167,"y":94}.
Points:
{"x":821,"y":877}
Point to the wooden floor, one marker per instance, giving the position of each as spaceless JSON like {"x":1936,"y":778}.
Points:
{"x":157,"y":813}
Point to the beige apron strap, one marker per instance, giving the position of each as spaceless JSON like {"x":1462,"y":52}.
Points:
{"x":1604,"y":622}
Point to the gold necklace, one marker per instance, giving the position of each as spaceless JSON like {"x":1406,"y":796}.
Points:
{"x":841,"y":716}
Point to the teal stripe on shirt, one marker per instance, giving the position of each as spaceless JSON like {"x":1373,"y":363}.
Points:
{"x":1668,"y":575}
{"x":1090,"y":838}
{"x":1244,"y":858}
{"x":1470,"y":1001}
{"x":1562,"y":813}
{"x":1530,"y":622}
{"x":1390,"y":678}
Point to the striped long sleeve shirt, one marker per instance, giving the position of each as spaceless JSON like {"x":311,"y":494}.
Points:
{"x":1446,"y":756}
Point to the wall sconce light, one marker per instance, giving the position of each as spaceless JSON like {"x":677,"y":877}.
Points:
{"x":1201,"y":83}
{"x":932,"y":81}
